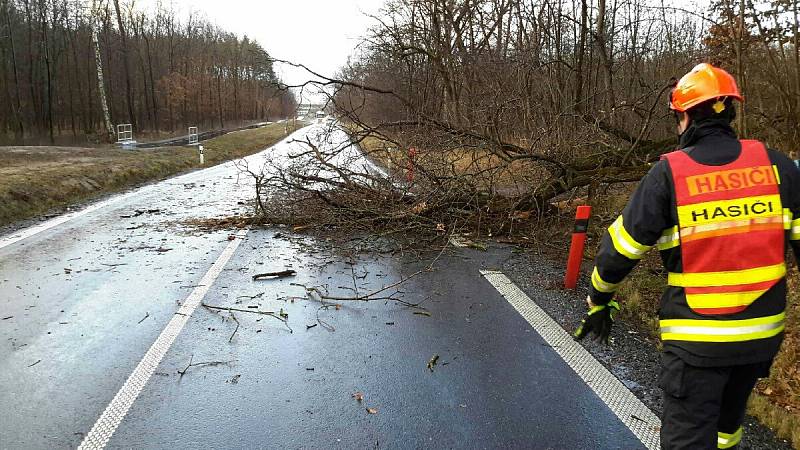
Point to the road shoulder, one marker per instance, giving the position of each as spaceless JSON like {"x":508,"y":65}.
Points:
{"x":633,"y":356}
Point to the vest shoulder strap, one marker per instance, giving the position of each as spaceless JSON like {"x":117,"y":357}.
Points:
{"x":752,"y":150}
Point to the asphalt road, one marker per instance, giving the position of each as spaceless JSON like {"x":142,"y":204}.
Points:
{"x":82,"y":302}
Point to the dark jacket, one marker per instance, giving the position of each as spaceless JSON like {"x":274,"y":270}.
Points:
{"x":651,"y":210}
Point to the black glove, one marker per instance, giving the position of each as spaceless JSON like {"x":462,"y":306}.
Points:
{"x":598,"y":321}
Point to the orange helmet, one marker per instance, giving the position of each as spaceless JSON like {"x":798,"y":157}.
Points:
{"x":704,"y":82}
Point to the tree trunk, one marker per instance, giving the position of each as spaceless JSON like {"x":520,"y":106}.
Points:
{"x":581,"y":50}
{"x":49,"y":85}
{"x":101,"y":90}
{"x":219,"y":97}
{"x":602,"y":49}
{"x":32,"y":67}
{"x":17,"y":96}
{"x":152,"y":81}
{"x":126,"y":65}
{"x":740,"y":118}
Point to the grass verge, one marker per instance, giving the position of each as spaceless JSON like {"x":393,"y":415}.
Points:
{"x":35,"y":180}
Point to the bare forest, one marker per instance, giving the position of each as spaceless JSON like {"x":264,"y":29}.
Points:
{"x":72,"y":69}
{"x":509,"y":104}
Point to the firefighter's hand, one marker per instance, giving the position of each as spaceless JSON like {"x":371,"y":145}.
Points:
{"x":598,"y":321}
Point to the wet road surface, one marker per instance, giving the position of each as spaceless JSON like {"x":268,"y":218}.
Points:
{"x":84,"y":301}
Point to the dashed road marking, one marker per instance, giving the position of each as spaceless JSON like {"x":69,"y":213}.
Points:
{"x":631,"y":411}
{"x":115,"y":412}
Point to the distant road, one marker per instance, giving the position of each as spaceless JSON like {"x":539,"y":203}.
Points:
{"x":203,"y":136}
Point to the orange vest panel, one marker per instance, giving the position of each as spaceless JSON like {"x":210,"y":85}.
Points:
{"x":730,"y":221}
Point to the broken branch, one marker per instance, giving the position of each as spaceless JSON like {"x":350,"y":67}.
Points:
{"x":205,"y":363}
{"x":281,"y":274}
{"x":263,"y":313}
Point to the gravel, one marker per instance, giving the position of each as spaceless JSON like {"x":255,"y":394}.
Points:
{"x":633,"y":356}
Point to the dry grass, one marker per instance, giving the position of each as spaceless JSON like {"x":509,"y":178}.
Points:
{"x":785,"y":424}
{"x":485,"y":169}
{"x":778,"y":401}
{"x":35,"y":180}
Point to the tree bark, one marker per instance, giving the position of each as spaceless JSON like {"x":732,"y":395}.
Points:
{"x":17,"y":96}
{"x":741,"y":117}
{"x":126,"y":65}
{"x":49,"y":85}
{"x":101,"y":90}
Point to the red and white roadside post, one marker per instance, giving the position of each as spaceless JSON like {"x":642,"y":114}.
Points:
{"x":577,"y":246}
{"x":412,"y":155}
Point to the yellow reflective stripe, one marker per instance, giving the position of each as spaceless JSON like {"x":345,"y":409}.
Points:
{"x":722,"y":299}
{"x":787,"y":219}
{"x":723,"y":323}
{"x":602,"y":285}
{"x":725,"y":440}
{"x":730,"y":278}
{"x":725,"y":210}
{"x":624,"y":243}
{"x":794,"y":233}
{"x":706,"y":330}
{"x":596,"y":309}
{"x":729,"y":224}
{"x":670,"y":238}
{"x":777,"y":174}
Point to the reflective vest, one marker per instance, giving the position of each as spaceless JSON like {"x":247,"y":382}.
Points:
{"x":731,"y":230}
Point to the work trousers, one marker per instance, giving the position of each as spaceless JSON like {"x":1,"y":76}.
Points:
{"x":704,"y":406}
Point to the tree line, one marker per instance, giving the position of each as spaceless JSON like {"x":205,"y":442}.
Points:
{"x":75,"y":68}
{"x":576,"y":90}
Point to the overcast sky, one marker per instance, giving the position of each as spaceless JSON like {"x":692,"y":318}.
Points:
{"x":318,"y":33}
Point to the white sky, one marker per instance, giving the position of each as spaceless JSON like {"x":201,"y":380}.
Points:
{"x":318,"y":33}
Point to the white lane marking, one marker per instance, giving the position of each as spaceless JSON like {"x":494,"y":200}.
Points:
{"x":112,"y":416}
{"x":25,"y":233}
{"x":13,"y":238}
{"x":20,"y":235}
{"x":631,"y":411}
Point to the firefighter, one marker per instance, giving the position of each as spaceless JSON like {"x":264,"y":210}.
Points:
{"x":721,"y":212}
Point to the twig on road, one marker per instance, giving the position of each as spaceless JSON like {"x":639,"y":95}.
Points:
{"x":281,"y":274}
{"x":230,"y":339}
{"x":205,"y":363}
{"x":371,"y":296}
{"x":355,"y":284}
{"x":264,"y":313}
{"x":322,"y":323}
{"x":143,"y":318}
{"x":432,"y":362}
